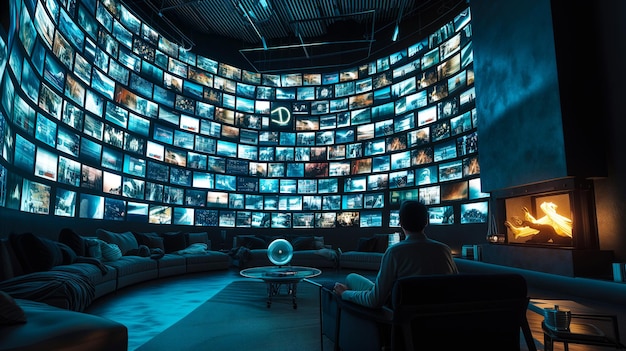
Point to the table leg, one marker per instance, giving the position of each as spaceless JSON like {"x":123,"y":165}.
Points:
{"x":547,"y":342}
{"x":272,"y":289}
{"x":293,"y":290}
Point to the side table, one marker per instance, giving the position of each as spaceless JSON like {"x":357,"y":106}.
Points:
{"x":587,"y":329}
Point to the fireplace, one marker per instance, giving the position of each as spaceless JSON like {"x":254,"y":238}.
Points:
{"x":549,"y":227}
{"x":558,"y":213}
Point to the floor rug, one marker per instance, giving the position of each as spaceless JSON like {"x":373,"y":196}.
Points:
{"x":237,"y":318}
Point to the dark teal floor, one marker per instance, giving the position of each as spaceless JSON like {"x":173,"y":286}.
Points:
{"x":149,"y":308}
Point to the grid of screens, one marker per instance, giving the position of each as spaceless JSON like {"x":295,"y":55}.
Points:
{"x":104,"y":118}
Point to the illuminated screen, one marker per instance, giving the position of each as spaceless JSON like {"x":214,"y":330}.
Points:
{"x":118,"y":123}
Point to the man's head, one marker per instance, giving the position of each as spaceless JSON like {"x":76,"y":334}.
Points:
{"x":413,"y":216}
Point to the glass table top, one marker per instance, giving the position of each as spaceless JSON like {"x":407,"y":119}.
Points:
{"x":281,"y":272}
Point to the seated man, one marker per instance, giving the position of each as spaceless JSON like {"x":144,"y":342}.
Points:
{"x":416,"y":255}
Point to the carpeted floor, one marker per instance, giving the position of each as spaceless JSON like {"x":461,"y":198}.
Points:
{"x":157,"y":307}
{"x":237,"y":318}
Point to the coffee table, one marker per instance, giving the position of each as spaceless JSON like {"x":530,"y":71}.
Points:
{"x":277,"y":276}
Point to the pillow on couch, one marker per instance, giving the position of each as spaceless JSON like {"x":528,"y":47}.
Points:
{"x":308,"y":243}
{"x":10,"y":312}
{"x":174,"y":241}
{"x":75,"y":241}
{"x":36,"y":254}
{"x":151,"y":240}
{"x":251,"y":242}
{"x":110,"y":252}
{"x":125,"y":241}
{"x":376,"y":243}
{"x":202,"y":238}
{"x":68,"y":255}
{"x":92,"y":248}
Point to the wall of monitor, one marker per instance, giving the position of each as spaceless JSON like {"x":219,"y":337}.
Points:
{"x":105,"y":121}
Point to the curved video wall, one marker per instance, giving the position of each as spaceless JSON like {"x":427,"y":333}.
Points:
{"x":105,"y":118}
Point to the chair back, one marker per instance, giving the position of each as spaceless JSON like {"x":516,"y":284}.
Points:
{"x":459,"y":311}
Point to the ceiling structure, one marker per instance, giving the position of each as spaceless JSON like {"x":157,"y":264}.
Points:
{"x":274,"y":35}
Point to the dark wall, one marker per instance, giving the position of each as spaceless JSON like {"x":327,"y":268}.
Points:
{"x":517,"y":93}
{"x":610,"y":34}
{"x":550,"y":101}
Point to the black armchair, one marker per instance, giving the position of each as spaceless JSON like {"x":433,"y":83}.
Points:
{"x":453,"y":312}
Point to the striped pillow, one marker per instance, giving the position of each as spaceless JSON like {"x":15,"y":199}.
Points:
{"x":110,"y":252}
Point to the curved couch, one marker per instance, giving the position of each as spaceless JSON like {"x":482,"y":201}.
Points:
{"x":51,"y":282}
{"x":309,"y":251}
{"x":367,"y":255}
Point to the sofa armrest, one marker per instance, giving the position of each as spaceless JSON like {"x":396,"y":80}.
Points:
{"x":51,"y":328}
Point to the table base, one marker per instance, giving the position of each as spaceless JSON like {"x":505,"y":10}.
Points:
{"x":273,"y":289}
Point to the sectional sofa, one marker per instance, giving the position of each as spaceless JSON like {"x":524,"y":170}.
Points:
{"x":45,"y":285}
{"x":367,"y":254}
{"x":308,"y":250}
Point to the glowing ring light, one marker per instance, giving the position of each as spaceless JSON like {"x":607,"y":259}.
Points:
{"x":280,"y":252}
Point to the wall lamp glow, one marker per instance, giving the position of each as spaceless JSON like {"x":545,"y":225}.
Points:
{"x":395,"y":33}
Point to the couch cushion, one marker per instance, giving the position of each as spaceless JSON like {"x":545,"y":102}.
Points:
{"x":54,"y":328}
{"x":125,"y":241}
{"x":10,"y":311}
{"x":110,"y":252}
{"x":269,"y":238}
{"x":252,"y":242}
{"x":202,"y":238}
{"x":68,"y":255}
{"x":92,"y":248}
{"x":376,"y":243}
{"x":308,"y":243}
{"x":34,"y":253}
{"x":174,"y":241}
{"x":75,"y":241}
{"x":151,"y":240}
{"x":6,"y":261}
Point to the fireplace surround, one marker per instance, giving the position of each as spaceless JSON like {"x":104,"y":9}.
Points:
{"x":549,"y":226}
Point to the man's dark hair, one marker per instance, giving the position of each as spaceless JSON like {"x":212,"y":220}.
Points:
{"x":413,"y":216}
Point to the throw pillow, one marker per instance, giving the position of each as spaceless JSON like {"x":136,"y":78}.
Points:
{"x":382,"y":242}
{"x":269,"y":238}
{"x":193,"y":238}
{"x":125,"y":241}
{"x":6,"y":263}
{"x":319,"y":242}
{"x":174,"y":241}
{"x":93,"y":248}
{"x":34,"y":253}
{"x":366,"y":244}
{"x":376,"y":243}
{"x":10,"y":311}
{"x":68,"y":255}
{"x":73,"y":240}
{"x":251,"y":242}
{"x":151,"y":240}
{"x":110,"y":252}
{"x":303,"y":243}
{"x":142,"y":251}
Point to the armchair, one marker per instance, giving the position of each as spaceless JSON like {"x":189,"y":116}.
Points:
{"x":455,"y":312}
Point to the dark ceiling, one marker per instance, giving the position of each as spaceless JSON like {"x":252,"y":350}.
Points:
{"x":278,"y":35}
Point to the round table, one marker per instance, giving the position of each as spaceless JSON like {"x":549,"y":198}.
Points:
{"x":277,"y":276}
